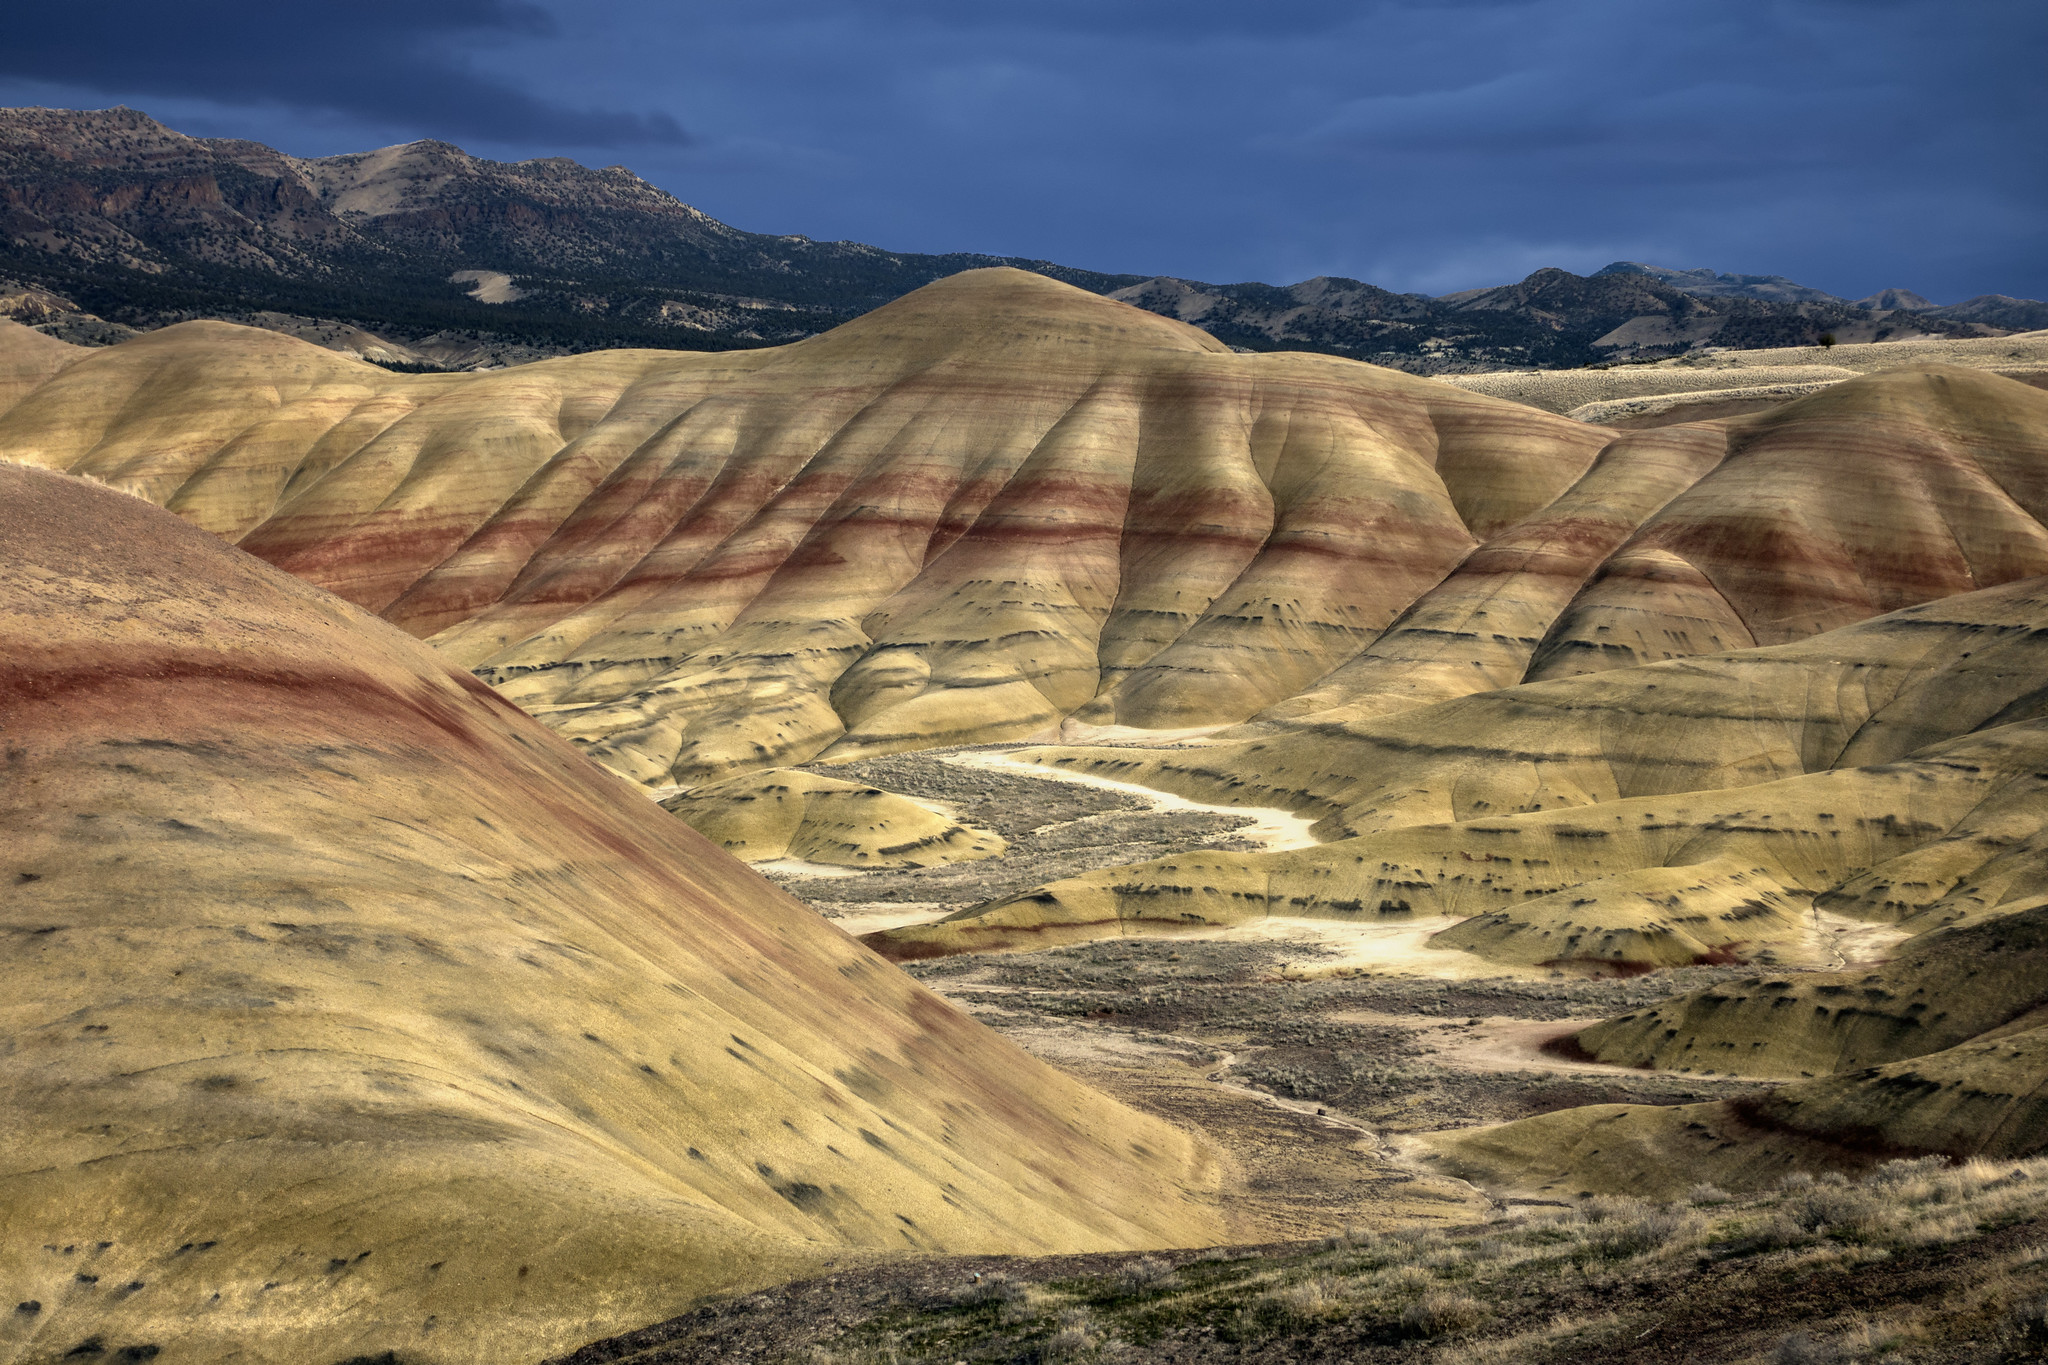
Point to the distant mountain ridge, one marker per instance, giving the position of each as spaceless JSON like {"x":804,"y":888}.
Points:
{"x":423,"y":256}
{"x":135,"y":222}
{"x":1996,"y":310}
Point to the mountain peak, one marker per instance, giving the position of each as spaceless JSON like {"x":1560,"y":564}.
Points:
{"x":1709,"y":284}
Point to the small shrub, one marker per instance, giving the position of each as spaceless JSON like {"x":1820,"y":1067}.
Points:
{"x":1069,"y":1341}
{"x":1834,"y":1208}
{"x":1438,"y":1314}
{"x":1630,"y":1227}
{"x":1907,"y":1171}
{"x":1779,"y":1232}
{"x":1448,"y":1261}
{"x":1409,"y":1277}
{"x":995,"y":1287}
{"x":1707,"y":1196}
{"x":1602,"y":1208}
{"x":1311,"y":1300}
{"x":1953,"y":1226}
{"x":1135,"y":1277}
{"x":1351,"y":1239}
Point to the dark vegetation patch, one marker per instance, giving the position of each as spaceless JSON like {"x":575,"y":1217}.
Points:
{"x":1922,"y":1262}
{"x":1231,"y":1005}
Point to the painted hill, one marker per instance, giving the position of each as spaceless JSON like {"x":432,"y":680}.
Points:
{"x":1939,"y":1052}
{"x":1615,"y":699}
{"x":1812,"y":766}
{"x":351,"y":1012}
{"x":963,"y":516}
{"x":1002,"y":505}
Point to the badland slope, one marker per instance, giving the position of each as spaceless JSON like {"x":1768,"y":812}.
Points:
{"x":351,"y":1012}
{"x":1001,"y":505}
{"x":964,"y":516}
{"x":1556,"y":810}
{"x":1939,"y":1052}
{"x":1731,"y":383}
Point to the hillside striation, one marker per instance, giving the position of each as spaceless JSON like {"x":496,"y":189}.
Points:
{"x":351,"y":1012}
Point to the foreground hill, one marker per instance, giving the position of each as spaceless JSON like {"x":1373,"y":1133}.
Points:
{"x":349,"y":1011}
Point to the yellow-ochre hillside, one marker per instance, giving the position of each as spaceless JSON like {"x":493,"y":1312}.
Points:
{"x":1002,"y":505}
{"x":332,"y":910}
{"x":350,"y":1011}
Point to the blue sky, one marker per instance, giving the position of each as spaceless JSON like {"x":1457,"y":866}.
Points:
{"x":1423,"y":145}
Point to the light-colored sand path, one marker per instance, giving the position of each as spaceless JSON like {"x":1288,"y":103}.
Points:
{"x":1272,"y":827}
{"x":891,"y":915}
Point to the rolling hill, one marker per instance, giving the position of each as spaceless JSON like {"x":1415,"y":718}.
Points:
{"x":349,"y":1011}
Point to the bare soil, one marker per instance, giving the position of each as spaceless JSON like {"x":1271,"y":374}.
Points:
{"x":1296,"y":1059}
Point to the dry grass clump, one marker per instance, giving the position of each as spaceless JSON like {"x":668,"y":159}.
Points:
{"x":994,"y":1287}
{"x":1440,"y":1313}
{"x":1619,"y":1226}
{"x":1318,"y":1298}
{"x":1406,"y":1278}
{"x":1074,"y":1337}
{"x":1138,"y":1277}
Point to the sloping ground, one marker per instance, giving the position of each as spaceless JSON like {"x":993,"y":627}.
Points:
{"x":1570,"y":391}
{"x":1700,"y":913}
{"x":1906,"y":748}
{"x":1984,"y":1098}
{"x":350,"y":1012}
{"x":1002,"y":504}
{"x":1478,"y":629}
{"x":1865,"y":694}
{"x":1941,"y":1051}
{"x":964,"y":516}
{"x":28,"y":359}
{"x":1945,"y":988}
{"x":1712,"y":405}
{"x":786,"y":814}
{"x":1565,"y":391}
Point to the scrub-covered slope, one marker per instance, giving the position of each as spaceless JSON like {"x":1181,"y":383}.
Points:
{"x":350,"y":1011}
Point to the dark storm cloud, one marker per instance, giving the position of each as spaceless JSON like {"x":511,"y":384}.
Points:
{"x":1420,"y":144}
{"x":383,"y":60}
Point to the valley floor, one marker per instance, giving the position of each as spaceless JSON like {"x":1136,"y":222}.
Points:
{"x":1922,"y":1263}
{"x":1305,"y":1051}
